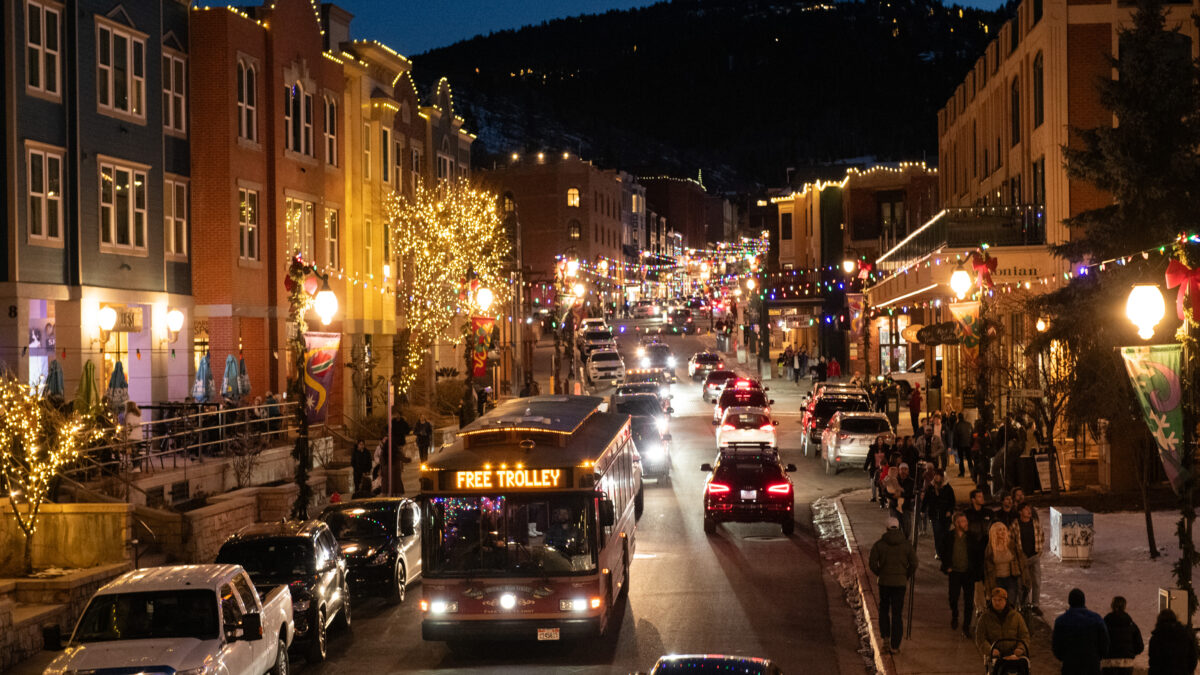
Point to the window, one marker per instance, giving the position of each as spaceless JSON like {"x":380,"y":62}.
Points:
{"x":385,"y":156}
{"x":1014,"y":35}
{"x":1016,"y":111}
{"x":1037,"y":11}
{"x":122,"y":207}
{"x":297,"y":117}
{"x":509,"y":204}
{"x":301,"y":228}
{"x":445,"y":170}
{"x":573,"y":197}
{"x":175,"y":214}
{"x":1014,"y":189}
{"x":368,"y":248}
{"x":1039,"y":94}
{"x":174,"y":78}
{"x":785,"y":226}
{"x":121,"y":71}
{"x":246,"y":94}
{"x":1038,"y":180}
{"x":398,"y":159}
{"x":574,"y":231}
{"x":332,"y":236}
{"x":416,"y":168}
{"x":366,"y":143}
{"x":891,"y":216}
{"x":45,"y":195}
{"x":42,"y":48}
{"x":330,"y":131}
{"x":248,"y":224}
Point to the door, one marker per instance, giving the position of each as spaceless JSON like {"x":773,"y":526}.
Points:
{"x":264,"y":649}
{"x":410,"y":538}
{"x":237,"y":655}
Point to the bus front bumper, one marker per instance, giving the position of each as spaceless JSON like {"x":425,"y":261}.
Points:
{"x":440,"y":630}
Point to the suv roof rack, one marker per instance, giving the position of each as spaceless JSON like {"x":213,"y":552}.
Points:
{"x":748,"y":448}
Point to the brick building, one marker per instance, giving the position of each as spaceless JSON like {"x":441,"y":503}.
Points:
{"x":684,"y":203}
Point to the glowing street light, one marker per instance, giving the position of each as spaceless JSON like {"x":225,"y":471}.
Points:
{"x":484,"y":298}
{"x":848,"y":265}
{"x":960,"y":283}
{"x":579,"y":290}
{"x":1145,"y":308}
{"x":326,"y":303}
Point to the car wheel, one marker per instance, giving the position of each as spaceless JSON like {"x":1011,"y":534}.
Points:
{"x":830,"y":469}
{"x":399,"y":585}
{"x":281,"y":665}
{"x":345,"y":616}
{"x":710,"y":526}
{"x":789,"y":526}
{"x":639,"y":503}
{"x":318,"y":648}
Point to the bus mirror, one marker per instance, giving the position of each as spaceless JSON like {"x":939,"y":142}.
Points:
{"x":607,"y":517}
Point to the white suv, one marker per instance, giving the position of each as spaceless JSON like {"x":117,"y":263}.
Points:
{"x":605,"y":365}
{"x":848,"y":437}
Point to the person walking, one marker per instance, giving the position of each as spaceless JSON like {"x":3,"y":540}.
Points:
{"x":1080,"y":638}
{"x":786,"y":360}
{"x":894,"y":562}
{"x":822,"y":370}
{"x":361,"y":462}
{"x":1027,"y":532}
{"x":1003,"y":561}
{"x":423,"y":432}
{"x":901,"y":489}
{"x":1124,"y":640}
{"x":803,"y":363}
{"x":1001,"y":622}
{"x":835,"y":369}
{"x":1172,"y":646}
{"x":874,"y":462}
{"x":963,"y":566}
{"x":799,"y":363}
{"x":914,"y":407}
{"x":1007,"y":512}
{"x":134,"y":433}
{"x":938,"y":503}
{"x":962,"y":441}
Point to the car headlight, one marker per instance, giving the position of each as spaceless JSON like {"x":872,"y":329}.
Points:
{"x":380,"y":558}
{"x":202,"y":670}
{"x":645,"y":362}
{"x":301,"y":605}
{"x":654,"y":453}
{"x":641,"y":351}
{"x":578,"y":604}
{"x":671,"y":361}
{"x":662,"y":426}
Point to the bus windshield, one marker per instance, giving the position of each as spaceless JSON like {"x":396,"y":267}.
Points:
{"x":503,"y":535}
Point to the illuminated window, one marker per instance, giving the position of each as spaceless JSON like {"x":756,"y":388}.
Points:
{"x":574,"y":231}
{"x":301,"y":228}
{"x":120,"y":71}
{"x":509,"y":204}
{"x":330,"y":129}
{"x":175,"y":217}
{"x":45,"y":195}
{"x":247,"y":224}
{"x":334,"y":258}
{"x":366,"y":143}
{"x":573,"y":197}
{"x":122,"y":207}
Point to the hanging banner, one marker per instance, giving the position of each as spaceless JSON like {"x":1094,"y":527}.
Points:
{"x":481,"y":335}
{"x":854,"y":305}
{"x":320,"y":356}
{"x":966,"y":315}
{"x":1154,"y":373}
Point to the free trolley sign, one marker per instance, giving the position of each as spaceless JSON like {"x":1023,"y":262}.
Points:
{"x":507,"y":479}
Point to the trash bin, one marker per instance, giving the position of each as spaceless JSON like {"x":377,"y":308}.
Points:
{"x":1072,"y":531}
{"x":892,"y":405}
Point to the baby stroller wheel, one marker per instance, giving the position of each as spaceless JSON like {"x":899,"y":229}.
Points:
{"x":1008,"y":663}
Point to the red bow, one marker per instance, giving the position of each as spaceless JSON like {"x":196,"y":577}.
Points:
{"x":1186,"y":278}
{"x":984,"y":265}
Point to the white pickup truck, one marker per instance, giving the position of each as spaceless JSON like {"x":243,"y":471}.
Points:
{"x":186,"y":620}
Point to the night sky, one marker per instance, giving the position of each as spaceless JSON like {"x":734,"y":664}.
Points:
{"x":415,"y":26}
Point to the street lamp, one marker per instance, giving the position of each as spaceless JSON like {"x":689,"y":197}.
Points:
{"x":1145,"y":308}
{"x":848,"y":266}
{"x":484,"y":298}
{"x":960,"y":283}
{"x":326,"y":303}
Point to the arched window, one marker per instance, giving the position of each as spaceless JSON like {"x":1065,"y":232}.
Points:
{"x":574,"y":231}
{"x":573,"y":197}
{"x":1039,"y":94}
{"x":247,"y":118}
{"x":298,"y":116}
{"x":1016,"y":111}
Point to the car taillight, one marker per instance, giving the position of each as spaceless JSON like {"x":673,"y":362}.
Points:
{"x":721,"y":364}
{"x":780,"y":488}
{"x":728,"y":427}
{"x":717,"y":489}
{"x":767,"y":427}
{"x":843,"y":435}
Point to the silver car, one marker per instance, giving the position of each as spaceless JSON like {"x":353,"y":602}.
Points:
{"x":848,"y":437}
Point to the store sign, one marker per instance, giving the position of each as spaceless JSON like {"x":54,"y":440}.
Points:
{"x":910,"y":333}
{"x":502,"y":479}
{"x":129,"y":319}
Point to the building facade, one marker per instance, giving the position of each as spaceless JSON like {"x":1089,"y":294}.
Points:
{"x":98,"y":192}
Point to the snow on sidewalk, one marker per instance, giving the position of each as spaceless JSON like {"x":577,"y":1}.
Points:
{"x":1120,"y":566}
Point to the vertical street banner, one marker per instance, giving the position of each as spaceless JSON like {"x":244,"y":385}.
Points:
{"x":854,"y":305}
{"x":320,"y":356}
{"x":966,"y":315}
{"x":1154,"y":372}
{"x":481,"y":335}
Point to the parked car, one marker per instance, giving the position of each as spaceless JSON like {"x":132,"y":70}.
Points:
{"x":746,"y":425}
{"x":605,"y":365}
{"x":821,"y":409}
{"x":748,"y":484}
{"x":304,"y":556}
{"x":698,"y":664}
{"x":380,"y":540}
{"x":183,"y":619}
{"x":914,"y":376}
{"x":703,"y":363}
{"x":714,"y":383}
{"x":847,"y":438}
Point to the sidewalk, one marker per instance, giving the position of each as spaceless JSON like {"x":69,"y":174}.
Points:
{"x":933,"y":647}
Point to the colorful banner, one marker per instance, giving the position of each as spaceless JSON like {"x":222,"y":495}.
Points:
{"x":854,"y":304}
{"x":1154,"y":372}
{"x":966,"y":315}
{"x":320,"y":356}
{"x":481,"y":336}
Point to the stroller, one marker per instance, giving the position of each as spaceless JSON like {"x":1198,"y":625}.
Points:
{"x":1007,"y":663}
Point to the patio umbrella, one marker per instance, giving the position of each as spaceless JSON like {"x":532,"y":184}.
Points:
{"x":54,"y":381}
{"x":87,"y":397}
{"x":118,"y":388}
{"x":229,"y":387}
{"x":202,"y":389}
{"x":243,"y":377}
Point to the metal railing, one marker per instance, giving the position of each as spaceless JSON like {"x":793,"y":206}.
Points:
{"x":969,"y":227}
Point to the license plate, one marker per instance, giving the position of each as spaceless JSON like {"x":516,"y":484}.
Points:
{"x":749,"y":494}
{"x":547,"y":634}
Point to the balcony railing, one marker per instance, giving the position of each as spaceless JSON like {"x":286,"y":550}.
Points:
{"x":969,"y":227}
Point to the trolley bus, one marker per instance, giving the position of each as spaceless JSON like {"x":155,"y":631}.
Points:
{"x":528,"y":523}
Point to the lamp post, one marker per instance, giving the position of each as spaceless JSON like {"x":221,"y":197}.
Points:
{"x":325,"y":303}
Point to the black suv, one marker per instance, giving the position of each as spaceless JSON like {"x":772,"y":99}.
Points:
{"x":748,"y":485}
{"x":658,"y":355}
{"x":651,"y":433}
{"x":682,"y":322}
{"x":303,"y":556}
{"x":381,"y":543}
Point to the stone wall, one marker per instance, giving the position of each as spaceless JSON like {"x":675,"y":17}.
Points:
{"x":68,"y":536}
{"x":208,"y":527}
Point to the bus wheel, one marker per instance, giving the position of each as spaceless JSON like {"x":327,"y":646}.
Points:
{"x":639,"y":503}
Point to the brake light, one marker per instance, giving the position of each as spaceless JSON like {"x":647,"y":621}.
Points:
{"x":742,"y":384}
{"x":780,"y":488}
{"x":728,"y":427}
{"x":843,"y":435}
{"x":767,"y":427}
{"x":720,"y":364}
{"x":717,"y":489}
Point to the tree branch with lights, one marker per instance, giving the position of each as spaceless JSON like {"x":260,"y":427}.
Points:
{"x":445,"y":234}
{"x":36,"y":443}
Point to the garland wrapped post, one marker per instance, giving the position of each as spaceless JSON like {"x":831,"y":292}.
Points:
{"x":1181,"y":272}
{"x":300,"y":300}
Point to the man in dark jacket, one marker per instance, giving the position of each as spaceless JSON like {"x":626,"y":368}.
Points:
{"x":903,"y":500}
{"x":961,"y":441}
{"x":1172,"y":646}
{"x":963,"y":563}
{"x":1080,"y":637}
{"x":938,"y":504}
{"x":1124,"y":640}
{"x":894,"y":561}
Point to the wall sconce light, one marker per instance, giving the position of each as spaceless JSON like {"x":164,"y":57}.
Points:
{"x":106,"y":320}
{"x":174,"y":325}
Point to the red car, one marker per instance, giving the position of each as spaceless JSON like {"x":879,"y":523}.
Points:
{"x":748,"y":485}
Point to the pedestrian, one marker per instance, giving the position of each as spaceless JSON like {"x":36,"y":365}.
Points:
{"x":875,"y":461}
{"x":361,"y":463}
{"x":822,"y":370}
{"x":901,"y":489}
{"x":273,"y":420}
{"x":1027,"y":531}
{"x":1003,"y":560}
{"x":938,"y":503}
{"x":400,"y":431}
{"x":785,"y":360}
{"x":882,"y":479}
{"x":894,"y":562}
{"x":909,"y":452}
{"x":914,"y":406}
{"x":835,"y":369}
{"x":1006,"y":513}
{"x":804,"y":359}
{"x":424,"y":435}
{"x":799,"y":363}
{"x":1080,"y":638}
{"x":934,"y":446}
{"x":134,"y":434}
{"x":963,"y":565}
{"x":470,"y":404}
{"x":1000,"y":622}
{"x":1124,"y":640}
{"x":962,"y":441}
{"x":1172,"y":646}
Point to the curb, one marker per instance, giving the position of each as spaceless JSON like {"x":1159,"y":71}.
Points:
{"x":870,"y":603}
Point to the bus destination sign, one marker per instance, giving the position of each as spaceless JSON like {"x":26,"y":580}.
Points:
{"x":508,"y":479}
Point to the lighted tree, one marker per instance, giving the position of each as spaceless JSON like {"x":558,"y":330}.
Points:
{"x":36,"y":442}
{"x":446,"y":235}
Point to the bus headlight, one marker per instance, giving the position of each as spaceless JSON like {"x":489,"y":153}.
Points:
{"x":439,"y":606}
{"x":641,"y":351}
{"x":508,"y":601}
{"x":654,"y":453}
{"x":671,"y":361}
{"x":662,"y":426}
{"x":645,"y":362}
{"x":578,"y":604}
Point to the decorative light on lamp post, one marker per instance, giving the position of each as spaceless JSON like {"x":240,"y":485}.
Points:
{"x":750,"y":284}
{"x":572,"y":267}
{"x":1041,"y":325}
{"x":578,"y":290}
{"x":326,"y":303}
{"x":1145,"y":308}
{"x":960,"y":283}
{"x":484,"y":298}
{"x":106,"y":319}
{"x":848,"y":266}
